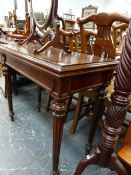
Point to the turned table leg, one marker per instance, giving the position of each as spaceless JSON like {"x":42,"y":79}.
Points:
{"x":8,"y":83}
{"x":58,"y":112}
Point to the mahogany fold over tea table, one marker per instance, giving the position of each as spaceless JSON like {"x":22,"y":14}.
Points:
{"x":61,"y":74}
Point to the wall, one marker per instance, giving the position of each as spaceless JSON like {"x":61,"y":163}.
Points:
{"x":123,"y":6}
{"x":65,"y":5}
{"x":77,"y":5}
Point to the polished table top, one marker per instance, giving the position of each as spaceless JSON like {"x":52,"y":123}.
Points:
{"x":54,"y":58}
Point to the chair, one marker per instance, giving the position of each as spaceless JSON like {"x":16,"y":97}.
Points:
{"x":118,"y":36}
{"x":125,"y":151}
{"x":74,"y":44}
{"x":103,"y":47}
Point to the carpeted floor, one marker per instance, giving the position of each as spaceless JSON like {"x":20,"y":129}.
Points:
{"x":26,"y":143}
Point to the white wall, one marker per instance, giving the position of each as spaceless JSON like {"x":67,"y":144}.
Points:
{"x":5,"y":7}
{"x":77,"y":5}
{"x":123,"y":6}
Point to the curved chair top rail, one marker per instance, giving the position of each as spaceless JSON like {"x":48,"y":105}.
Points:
{"x":107,"y":18}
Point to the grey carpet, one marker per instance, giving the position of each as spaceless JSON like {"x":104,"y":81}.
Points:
{"x":26,"y":143}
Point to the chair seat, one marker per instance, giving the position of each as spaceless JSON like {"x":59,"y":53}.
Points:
{"x":125,"y":154}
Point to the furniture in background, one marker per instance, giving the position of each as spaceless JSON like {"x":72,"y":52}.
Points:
{"x":22,"y":31}
{"x":70,"y":24}
{"x":125,"y":151}
{"x":69,"y":19}
{"x":11,"y":22}
{"x":103,"y":47}
{"x":119,"y":32}
{"x":88,"y":35}
{"x":104,"y":154}
{"x":86,"y":11}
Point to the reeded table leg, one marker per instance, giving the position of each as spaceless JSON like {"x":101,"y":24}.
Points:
{"x":58,"y":112}
{"x":8,"y":82}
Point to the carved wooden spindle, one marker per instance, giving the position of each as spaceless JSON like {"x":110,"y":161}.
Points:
{"x":58,"y":112}
{"x":115,"y":116}
{"x":104,"y":42}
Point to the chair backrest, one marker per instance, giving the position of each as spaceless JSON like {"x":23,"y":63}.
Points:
{"x":66,"y":36}
{"x":104,"y":43}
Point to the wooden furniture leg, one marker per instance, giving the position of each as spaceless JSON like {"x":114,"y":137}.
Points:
{"x":39,"y":98}
{"x":68,"y":107}
{"x":48,"y":101}
{"x":7,"y":74}
{"x":87,"y":160}
{"x":116,"y":165}
{"x":98,"y":111}
{"x":14,"y":82}
{"x":5,"y":94}
{"x":58,"y":112}
{"x":77,"y":113}
{"x":115,"y":116}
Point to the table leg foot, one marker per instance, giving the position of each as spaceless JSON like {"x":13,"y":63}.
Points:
{"x":87,"y":160}
{"x":116,"y":165}
{"x":11,"y":114}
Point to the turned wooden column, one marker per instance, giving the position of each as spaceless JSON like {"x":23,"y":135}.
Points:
{"x":58,"y":112}
{"x":103,"y":156}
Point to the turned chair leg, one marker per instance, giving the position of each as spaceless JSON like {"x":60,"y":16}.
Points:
{"x":14,"y":82}
{"x":48,"y":101}
{"x":94,"y":125}
{"x":39,"y":98}
{"x":5,"y":93}
{"x":68,"y":107}
{"x":77,"y":113}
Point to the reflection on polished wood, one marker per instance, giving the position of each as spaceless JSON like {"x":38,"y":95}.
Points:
{"x":60,"y":73}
